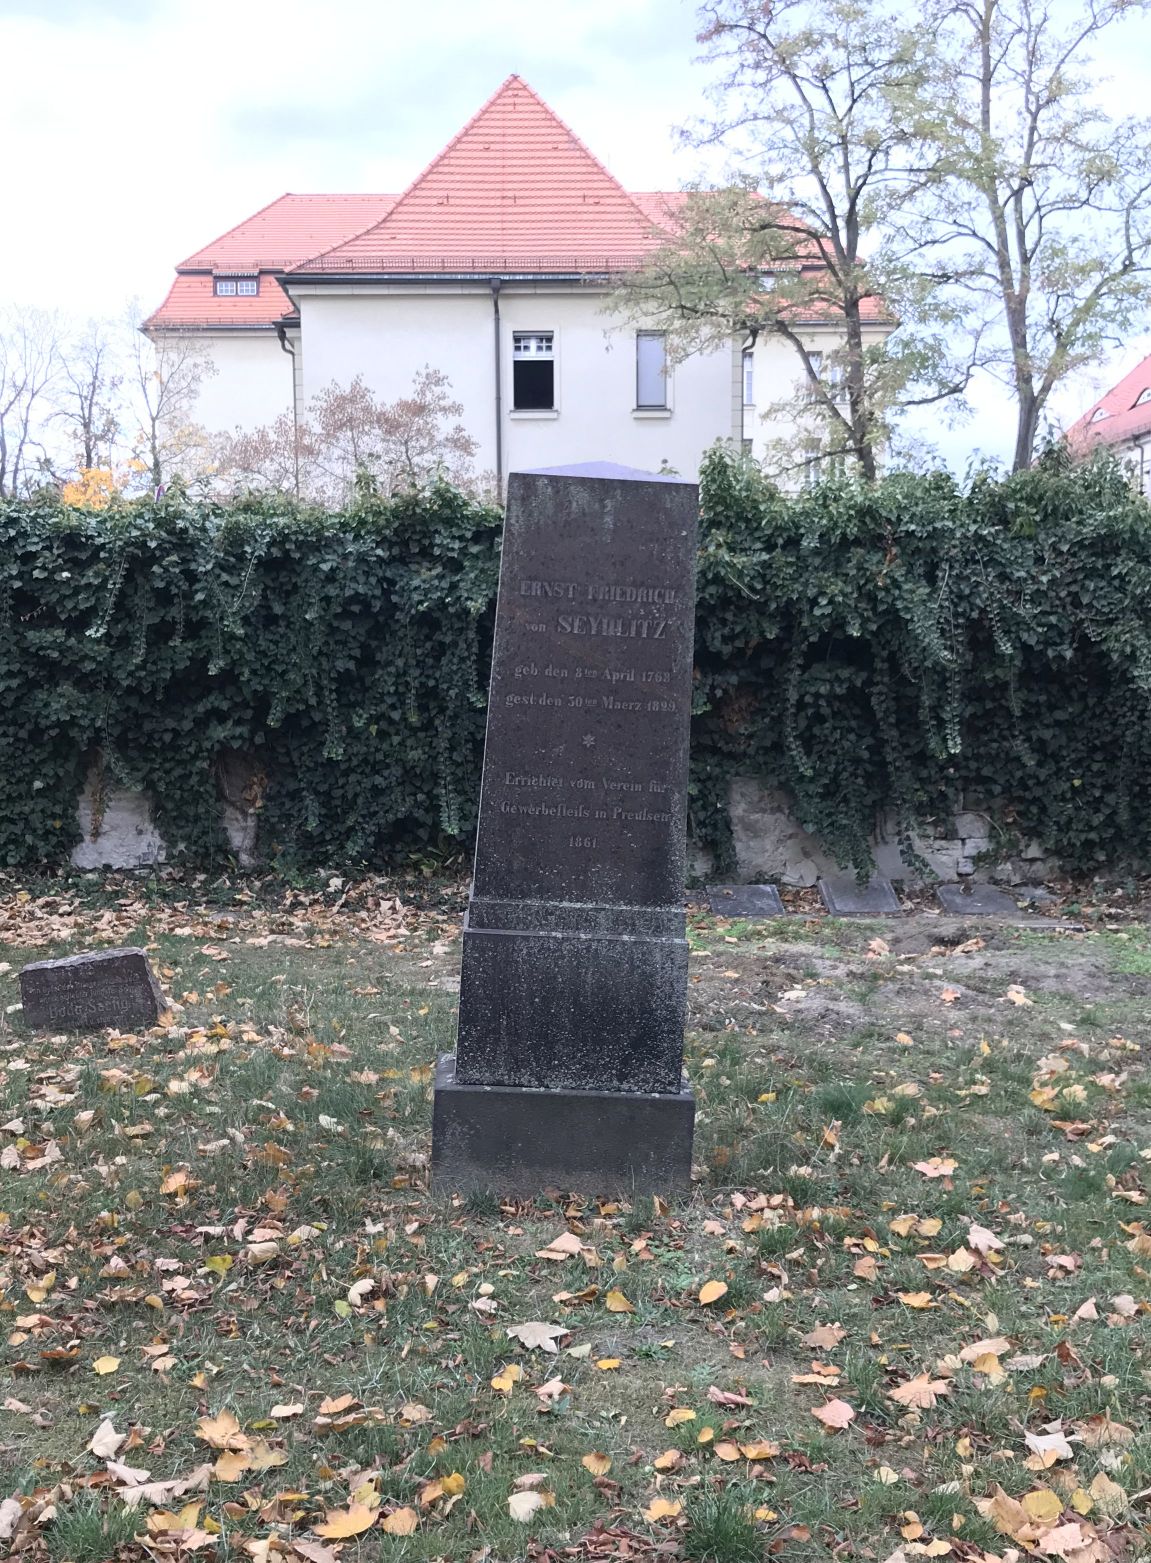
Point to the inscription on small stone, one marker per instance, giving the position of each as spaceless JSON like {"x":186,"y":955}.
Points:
{"x":88,"y":992}
{"x":745,"y":901}
{"x":574,"y":956}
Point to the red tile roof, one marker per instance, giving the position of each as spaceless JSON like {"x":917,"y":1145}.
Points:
{"x":285,"y":231}
{"x":515,"y":190}
{"x":289,"y":229}
{"x":192,"y":304}
{"x":1122,"y":418}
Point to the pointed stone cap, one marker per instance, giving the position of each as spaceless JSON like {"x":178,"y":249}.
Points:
{"x":603,"y":469}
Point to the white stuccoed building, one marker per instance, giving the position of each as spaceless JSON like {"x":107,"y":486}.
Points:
{"x":493,"y":267}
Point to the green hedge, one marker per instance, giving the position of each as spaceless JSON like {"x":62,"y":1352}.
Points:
{"x":905,"y":647}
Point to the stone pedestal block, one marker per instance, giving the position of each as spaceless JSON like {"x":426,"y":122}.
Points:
{"x":595,"y":1007}
{"x":519,"y":1140}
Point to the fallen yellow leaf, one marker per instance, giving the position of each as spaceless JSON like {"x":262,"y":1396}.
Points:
{"x":1043,"y":1505}
{"x":352,"y":1521}
{"x":222,"y":1431}
{"x":680,"y":1414}
{"x":400,"y":1522}
{"x":598,"y":1464}
{"x":507,"y":1377}
{"x":662,"y":1509}
{"x":616,"y":1302}
{"x":835,"y":1415}
{"x":105,"y":1364}
{"x":231,"y":1465}
{"x":712,"y":1291}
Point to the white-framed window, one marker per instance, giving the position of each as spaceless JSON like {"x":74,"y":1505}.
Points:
{"x":651,"y":369}
{"x":1098,"y":415}
{"x":831,"y":375}
{"x":816,"y":361}
{"x":533,"y":371}
{"x":748,"y":377}
{"x":1144,"y":397}
{"x":229,"y":287}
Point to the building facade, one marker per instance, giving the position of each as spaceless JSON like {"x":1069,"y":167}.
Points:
{"x":1121,"y":423}
{"x":495,"y":267}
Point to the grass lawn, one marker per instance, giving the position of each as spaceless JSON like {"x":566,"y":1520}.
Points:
{"x":904,"y":1313}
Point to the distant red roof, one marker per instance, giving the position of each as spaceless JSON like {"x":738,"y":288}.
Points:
{"x":285,"y":231}
{"x":1118,"y":416}
{"x":515,"y":190}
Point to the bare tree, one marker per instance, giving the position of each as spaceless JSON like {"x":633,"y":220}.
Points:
{"x":1041,"y":216}
{"x":29,"y":366}
{"x":348,"y":436}
{"x":164,"y":380}
{"x":815,"y":107}
{"x":89,"y":403}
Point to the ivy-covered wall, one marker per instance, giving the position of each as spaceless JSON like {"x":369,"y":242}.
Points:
{"x":909,"y":648}
{"x":346,"y":654}
{"x":915,"y":648}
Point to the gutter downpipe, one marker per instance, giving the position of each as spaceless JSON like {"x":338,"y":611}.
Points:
{"x":495,"y":284}
{"x":281,"y":332}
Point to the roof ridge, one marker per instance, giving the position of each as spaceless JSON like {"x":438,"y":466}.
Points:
{"x":424,"y":172}
{"x":643,"y":217}
{"x":396,"y":210}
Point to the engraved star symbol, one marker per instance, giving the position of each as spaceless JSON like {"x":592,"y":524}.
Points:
{"x":588,"y":741}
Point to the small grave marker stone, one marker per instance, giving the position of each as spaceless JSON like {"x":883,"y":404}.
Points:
{"x":976,"y":901}
{"x":745,"y":901}
{"x":88,"y":992}
{"x":845,"y":897}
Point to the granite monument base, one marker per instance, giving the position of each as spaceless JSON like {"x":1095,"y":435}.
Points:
{"x":572,"y":997}
{"x":519,"y":1140}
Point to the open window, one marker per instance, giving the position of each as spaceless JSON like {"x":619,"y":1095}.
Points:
{"x":533,"y":371}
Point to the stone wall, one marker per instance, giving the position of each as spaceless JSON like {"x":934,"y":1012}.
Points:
{"x":771,"y":846}
{"x":117,"y":829}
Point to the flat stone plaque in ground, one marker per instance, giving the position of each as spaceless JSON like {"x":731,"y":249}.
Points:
{"x":574,"y":960}
{"x":846,"y":897}
{"x":976,"y":901}
{"x":88,"y":992}
{"x":745,"y":901}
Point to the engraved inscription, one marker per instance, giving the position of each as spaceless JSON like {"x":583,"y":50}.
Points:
{"x":584,"y":792}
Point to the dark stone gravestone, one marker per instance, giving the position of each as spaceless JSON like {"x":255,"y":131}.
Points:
{"x":846,"y":897}
{"x":568,"y":1068}
{"x":976,"y":901}
{"x":89,"y":992}
{"x":745,"y":901}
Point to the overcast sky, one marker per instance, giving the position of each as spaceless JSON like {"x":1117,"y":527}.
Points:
{"x":136,"y":130}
